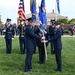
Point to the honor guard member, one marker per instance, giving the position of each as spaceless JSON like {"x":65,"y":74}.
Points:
{"x":22,"y":36}
{"x":9,"y":31}
{"x":1,"y":30}
{"x":51,"y":33}
{"x":57,"y":45}
{"x":30,"y":35}
{"x":62,"y":29}
{"x":40,"y":44}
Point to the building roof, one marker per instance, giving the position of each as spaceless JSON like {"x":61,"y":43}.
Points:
{"x":51,"y":15}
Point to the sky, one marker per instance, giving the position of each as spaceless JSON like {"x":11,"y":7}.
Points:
{"x":9,"y":8}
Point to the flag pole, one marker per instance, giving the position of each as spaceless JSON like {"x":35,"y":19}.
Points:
{"x":44,"y":41}
{"x":42,"y":18}
{"x":55,"y":10}
{"x":45,"y":47}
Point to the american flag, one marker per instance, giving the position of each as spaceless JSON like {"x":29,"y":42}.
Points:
{"x":21,"y":10}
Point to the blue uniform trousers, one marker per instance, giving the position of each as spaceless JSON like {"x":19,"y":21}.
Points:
{"x":28,"y":64}
{"x":22,"y":45}
{"x":52,"y":47}
{"x":8,"y":46}
{"x":58,"y":58}
{"x":34,"y":52}
{"x":41,"y":54}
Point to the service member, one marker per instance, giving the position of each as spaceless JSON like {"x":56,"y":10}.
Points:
{"x":9,"y":31}
{"x":30,"y":35}
{"x":41,"y":48}
{"x":35,"y":30}
{"x":22,"y":36}
{"x":57,"y":45}
{"x":51,"y":33}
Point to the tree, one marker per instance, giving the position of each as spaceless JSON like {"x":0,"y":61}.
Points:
{"x":72,"y":21}
{"x":0,"y":19}
{"x":0,"y":22}
{"x":63,"y":21}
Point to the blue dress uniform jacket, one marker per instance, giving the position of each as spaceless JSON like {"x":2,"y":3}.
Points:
{"x":51,"y":33}
{"x":8,"y":38}
{"x":22,"y":39}
{"x":51,"y":30}
{"x":9,"y":32}
{"x":35,"y":31}
{"x":57,"y":48}
{"x":57,"y":39}
{"x":30,"y":35}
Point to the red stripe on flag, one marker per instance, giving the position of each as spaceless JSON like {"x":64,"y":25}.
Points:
{"x":21,"y":10}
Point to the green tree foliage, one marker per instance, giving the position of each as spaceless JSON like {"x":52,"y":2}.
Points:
{"x":72,"y":21}
{"x":0,"y":22}
{"x":63,"y":21}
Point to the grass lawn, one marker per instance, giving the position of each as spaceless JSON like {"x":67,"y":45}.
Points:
{"x":13,"y":64}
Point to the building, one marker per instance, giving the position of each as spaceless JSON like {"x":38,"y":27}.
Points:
{"x":51,"y":15}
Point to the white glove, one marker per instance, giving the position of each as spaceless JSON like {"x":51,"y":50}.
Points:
{"x":43,"y":38}
{"x":4,"y":30}
{"x":12,"y":38}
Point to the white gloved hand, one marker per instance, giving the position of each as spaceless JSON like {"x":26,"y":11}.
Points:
{"x":12,"y":38}
{"x":43,"y":38}
{"x":4,"y":30}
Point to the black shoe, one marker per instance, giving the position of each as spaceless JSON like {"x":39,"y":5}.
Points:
{"x":30,"y":67}
{"x":43,"y":62}
{"x":59,"y":70}
{"x":26,"y":70}
{"x":40,"y":62}
{"x":53,"y":52}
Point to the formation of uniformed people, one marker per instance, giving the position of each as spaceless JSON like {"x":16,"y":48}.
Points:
{"x":31,"y":36}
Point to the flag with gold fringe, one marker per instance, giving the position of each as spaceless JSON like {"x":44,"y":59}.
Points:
{"x":21,"y":10}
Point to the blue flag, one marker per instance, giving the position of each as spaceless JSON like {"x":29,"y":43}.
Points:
{"x":43,"y":3}
{"x":58,"y":8}
{"x":42,"y":12}
{"x":33,"y":10}
{"x":41,"y":20}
